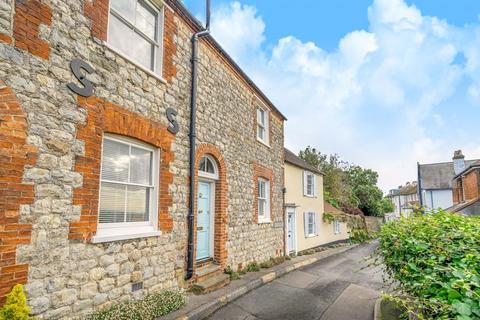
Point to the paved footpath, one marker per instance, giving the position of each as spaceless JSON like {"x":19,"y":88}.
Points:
{"x":340,"y":287}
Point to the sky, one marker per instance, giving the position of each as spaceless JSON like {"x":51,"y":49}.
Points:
{"x":383,"y":83}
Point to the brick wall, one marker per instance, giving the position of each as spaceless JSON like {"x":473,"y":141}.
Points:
{"x":97,"y":11}
{"x":169,"y":46}
{"x":107,"y":117}
{"x":457,"y":191}
{"x":470,"y":185}
{"x":29,"y":15}
{"x":15,"y":155}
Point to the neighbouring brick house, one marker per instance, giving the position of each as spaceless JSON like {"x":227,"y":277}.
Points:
{"x":94,"y":185}
{"x":466,"y":187}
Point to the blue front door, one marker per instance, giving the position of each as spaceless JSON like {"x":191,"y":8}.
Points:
{"x":204,"y":206}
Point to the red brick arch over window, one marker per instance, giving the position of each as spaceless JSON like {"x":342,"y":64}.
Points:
{"x":221,"y":189}
{"x":107,"y":117}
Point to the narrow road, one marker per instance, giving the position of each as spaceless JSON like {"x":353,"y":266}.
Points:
{"x":341,"y":287}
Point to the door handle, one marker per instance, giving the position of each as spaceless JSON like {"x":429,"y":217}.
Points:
{"x":199,"y":228}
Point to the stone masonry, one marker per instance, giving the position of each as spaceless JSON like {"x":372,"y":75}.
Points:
{"x":48,"y":205}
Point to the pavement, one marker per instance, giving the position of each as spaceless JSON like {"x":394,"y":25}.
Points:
{"x":201,"y":306}
{"x":342,"y":286}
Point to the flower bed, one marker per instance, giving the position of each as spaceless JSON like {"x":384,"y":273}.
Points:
{"x":435,"y":259}
{"x":148,"y":308}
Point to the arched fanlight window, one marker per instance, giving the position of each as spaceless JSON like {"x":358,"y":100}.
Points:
{"x":208,"y":168}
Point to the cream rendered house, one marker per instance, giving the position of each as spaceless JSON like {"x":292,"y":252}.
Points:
{"x":304,"y":208}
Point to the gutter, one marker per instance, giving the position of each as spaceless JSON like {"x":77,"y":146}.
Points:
{"x":193,"y":114}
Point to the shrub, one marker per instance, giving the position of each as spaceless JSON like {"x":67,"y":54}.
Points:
{"x":15,"y":307}
{"x":272,"y":262}
{"x":148,"y":308}
{"x":435,"y":259}
{"x":233,"y":275}
{"x":359,"y":236}
{"x":252,"y":267}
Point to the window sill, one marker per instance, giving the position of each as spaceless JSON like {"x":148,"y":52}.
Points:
{"x":312,"y":236}
{"x":263,"y":142}
{"x":264,"y":221}
{"x":144,"y":69}
{"x":308,"y":196}
{"x":117,"y":237}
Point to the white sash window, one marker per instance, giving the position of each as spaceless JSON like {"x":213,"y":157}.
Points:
{"x":135,"y":29}
{"x":128,"y":189}
{"x":262,"y":125}
{"x":263,"y":200}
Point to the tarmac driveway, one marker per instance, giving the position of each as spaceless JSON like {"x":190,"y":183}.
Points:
{"x":340,"y":287}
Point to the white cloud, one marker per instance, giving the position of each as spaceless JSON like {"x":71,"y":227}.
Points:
{"x":239,"y":29}
{"x":374,"y":100}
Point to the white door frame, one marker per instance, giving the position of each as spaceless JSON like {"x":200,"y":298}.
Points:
{"x":291,"y":210}
{"x":211,"y":240}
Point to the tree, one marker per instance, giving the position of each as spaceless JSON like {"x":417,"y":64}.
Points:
{"x":348,"y":186}
{"x":387,"y":205}
{"x":365,"y":190}
{"x":336,"y":187}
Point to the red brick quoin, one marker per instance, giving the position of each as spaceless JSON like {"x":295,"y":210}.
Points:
{"x":105,"y":117}
{"x":97,"y":11}
{"x":29,"y":15}
{"x":221,"y":190}
{"x":260,"y":171}
{"x":15,"y":154}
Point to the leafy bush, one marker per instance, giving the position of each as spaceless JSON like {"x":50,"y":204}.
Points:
{"x":150,"y":307}
{"x":435,"y":259}
{"x":233,"y":275}
{"x":252,"y":267}
{"x":15,"y":307}
{"x":272,"y":262}
{"x":359,"y":236}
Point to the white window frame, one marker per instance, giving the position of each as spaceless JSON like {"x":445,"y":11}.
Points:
{"x":307,"y":174}
{"x":107,"y":232}
{"x":265,"y":126}
{"x":313,"y":216}
{"x":159,"y":8}
{"x":336,"y":227}
{"x":208,"y":175}
{"x":266,"y":217}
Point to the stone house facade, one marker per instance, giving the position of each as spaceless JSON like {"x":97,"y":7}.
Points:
{"x":94,"y":154}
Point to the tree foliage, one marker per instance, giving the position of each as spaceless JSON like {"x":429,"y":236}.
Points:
{"x":348,"y":186}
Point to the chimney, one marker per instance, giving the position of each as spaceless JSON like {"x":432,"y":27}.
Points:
{"x":458,"y":161}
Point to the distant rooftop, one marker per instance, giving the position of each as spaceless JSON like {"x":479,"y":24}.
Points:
{"x":439,"y":176}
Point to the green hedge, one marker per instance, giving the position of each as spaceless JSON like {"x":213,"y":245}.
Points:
{"x":148,"y":308}
{"x":435,"y":259}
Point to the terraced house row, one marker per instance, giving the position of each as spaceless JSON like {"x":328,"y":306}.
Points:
{"x":112,"y":114}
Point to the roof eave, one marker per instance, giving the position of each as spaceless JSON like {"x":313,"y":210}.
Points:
{"x":180,"y":8}
{"x":305,"y":168}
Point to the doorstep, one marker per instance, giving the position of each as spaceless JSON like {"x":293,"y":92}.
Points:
{"x":201,"y":306}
